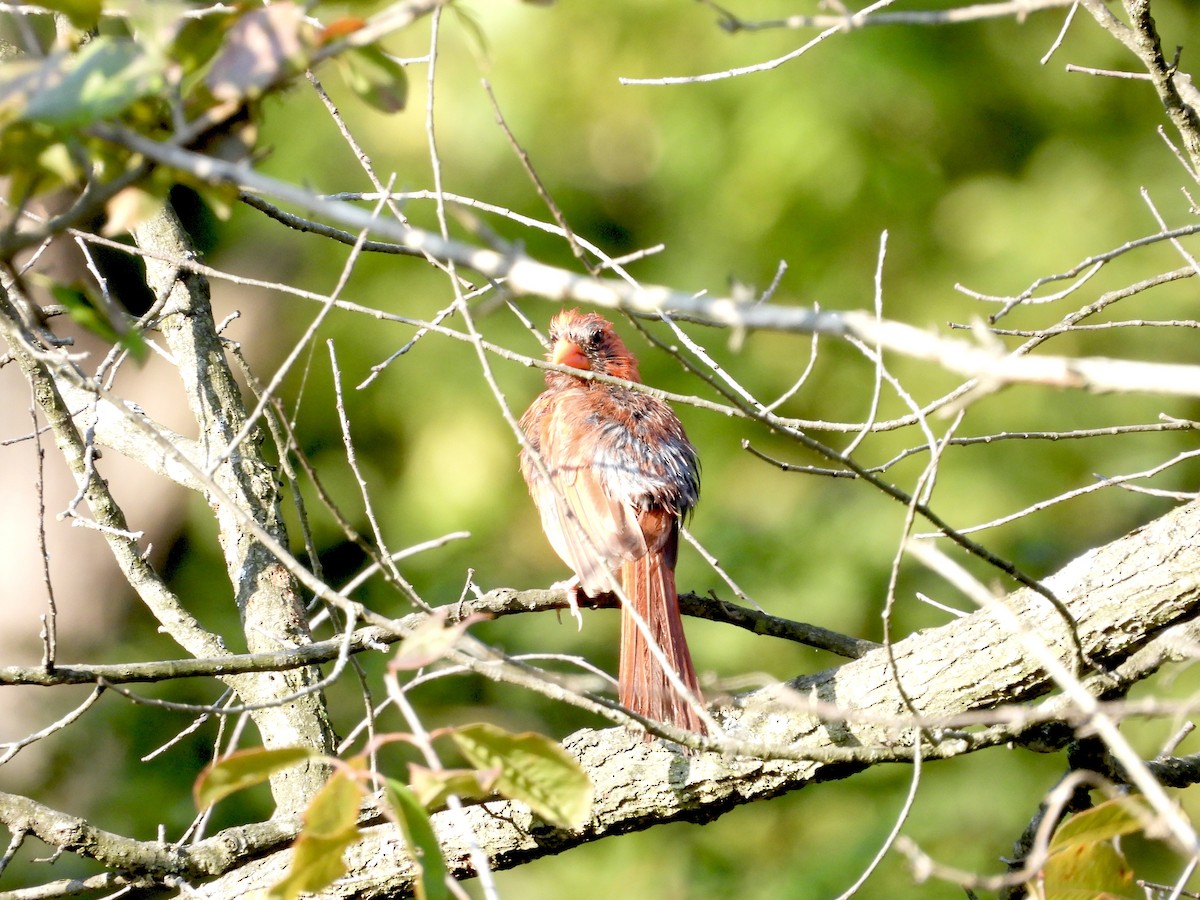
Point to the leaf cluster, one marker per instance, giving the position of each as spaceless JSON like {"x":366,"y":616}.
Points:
{"x":527,"y":767}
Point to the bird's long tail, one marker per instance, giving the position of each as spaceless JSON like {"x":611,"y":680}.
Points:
{"x":649,"y":584}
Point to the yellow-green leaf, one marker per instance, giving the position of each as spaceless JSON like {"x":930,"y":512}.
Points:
{"x":330,"y":826}
{"x":1084,"y":861}
{"x":376,"y":78}
{"x":421,"y":840}
{"x":532,"y":768}
{"x":1088,"y":872}
{"x":84,"y":14}
{"x":128,"y":208}
{"x":1113,"y":818}
{"x":432,"y":787}
{"x":197,"y":40}
{"x":244,"y":769}
{"x":99,"y":82}
{"x":220,"y":198}
{"x":56,"y":159}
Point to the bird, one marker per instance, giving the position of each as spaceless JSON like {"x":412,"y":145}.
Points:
{"x":613,"y":475}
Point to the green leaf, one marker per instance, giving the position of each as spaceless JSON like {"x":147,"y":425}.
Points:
{"x":84,"y":14}
{"x":330,"y":826}
{"x":220,"y":198}
{"x":89,"y":314}
{"x":197,"y":40}
{"x":376,"y":78}
{"x":20,"y":79}
{"x":100,"y":82}
{"x":422,"y":842}
{"x":471,"y":28}
{"x":244,"y":769}
{"x":433,"y":786}
{"x":56,"y":159}
{"x":532,"y":768}
{"x":84,"y":313}
{"x":34,"y":158}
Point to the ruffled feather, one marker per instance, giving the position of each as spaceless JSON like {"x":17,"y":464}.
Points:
{"x":616,"y":475}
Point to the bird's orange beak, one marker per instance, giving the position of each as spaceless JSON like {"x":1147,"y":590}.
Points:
{"x":567,"y":353}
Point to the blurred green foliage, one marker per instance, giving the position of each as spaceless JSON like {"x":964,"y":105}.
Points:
{"x":985,"y":167}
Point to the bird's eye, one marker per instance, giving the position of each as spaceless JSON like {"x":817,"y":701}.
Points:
{"x":593,"y":339}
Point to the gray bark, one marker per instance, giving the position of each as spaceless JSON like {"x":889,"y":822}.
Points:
{"x":1132,"y":600}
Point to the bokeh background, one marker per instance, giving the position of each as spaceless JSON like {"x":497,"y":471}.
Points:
{"x":986,"y":167}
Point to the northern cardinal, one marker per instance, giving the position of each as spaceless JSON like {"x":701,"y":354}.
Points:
{"x":622,"y":474}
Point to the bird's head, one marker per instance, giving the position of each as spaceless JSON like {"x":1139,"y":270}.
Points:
{"x":587,"y":341}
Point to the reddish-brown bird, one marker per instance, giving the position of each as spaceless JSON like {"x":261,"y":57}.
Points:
{"x":622,"y":474}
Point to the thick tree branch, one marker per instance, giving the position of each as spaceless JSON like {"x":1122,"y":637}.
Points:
{"x":110,"y":425}
{"x":989,"y":365}
{"x":266,"y":592}
{"x":148,"y":858}
{"x":852,"y":716}
{"x":1137,"y":585}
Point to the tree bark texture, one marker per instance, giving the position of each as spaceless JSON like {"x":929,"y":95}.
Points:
{"x":1139,"y":588}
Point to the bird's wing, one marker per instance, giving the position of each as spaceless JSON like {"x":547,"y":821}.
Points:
{"x":592,"y":532}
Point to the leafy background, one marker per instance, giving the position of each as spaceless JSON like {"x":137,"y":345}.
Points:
{"x":985,"y":167}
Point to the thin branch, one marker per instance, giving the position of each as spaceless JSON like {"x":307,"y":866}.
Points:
{"x":167,"y":608}
{"x":1100,"y":483}
{"x":155,"y":858}
{"x":894,"y":834}
{"x":1017,"y":9}
{"x":843,"y":24}
{"x":497,"y":603}
{"x":12,"y":748}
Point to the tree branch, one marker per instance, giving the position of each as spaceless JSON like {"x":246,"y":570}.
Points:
{"x":1016,"y":9}
{"x":1139,"y":584}
{"x":1143,"y":583}
{"x":147,"y":858}
{"x":183,"y":628}
{"x":495,"y":603}
{"x":267,"y":594}
{"x":1148,"y":47}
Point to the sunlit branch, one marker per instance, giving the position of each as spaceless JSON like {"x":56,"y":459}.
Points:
{"x":495,"y":603}
{"x":1017,"y":9}
{"x":525,"y":275}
